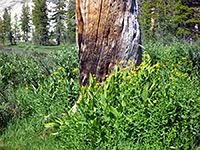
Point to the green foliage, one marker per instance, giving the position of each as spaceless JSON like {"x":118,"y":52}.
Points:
{"x":6,"y":27}
{"x":47,"y":85}
{"x":2,"y":33}
{"x":20,"y":70}
{"x":33,"y":47}
{"x":187,"y":16}
{"x":176,"y":17}
{"x":40,"y":21}
{"x":59,"y":18}
{"x":155,"y":106}
{"x":16,"y":31}
{"x":71,"y":22}
{"x":25,"y":21}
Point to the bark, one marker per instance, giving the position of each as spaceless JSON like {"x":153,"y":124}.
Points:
{"x":196,"y":29}
{"x":107,"y":33}
{"x":152,"y":20}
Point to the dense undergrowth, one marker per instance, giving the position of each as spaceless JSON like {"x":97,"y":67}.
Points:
{"x":155,"y":106}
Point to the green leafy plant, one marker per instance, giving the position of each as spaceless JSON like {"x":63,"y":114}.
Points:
{"x":154,"y":106}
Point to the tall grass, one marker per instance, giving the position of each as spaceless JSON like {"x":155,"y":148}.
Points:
{"x":155,"y":106}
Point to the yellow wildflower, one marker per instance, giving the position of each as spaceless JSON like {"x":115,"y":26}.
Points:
{"x":75,"y":70}
{"x":59,"y":81}
{"x":55,"y":73}
{"x":184,"y":58}
{"x":108,"y":79}
{"x":26,"y":88}
{"x":154,"y":101}
{"x":131,"y":65}
{"x":129,"y":61}
{"x":124,"y":69}
{"x":121,"y":62}
{"x":128,"y":77}
{"x":60,"y":68}
{"x":156,"y":65}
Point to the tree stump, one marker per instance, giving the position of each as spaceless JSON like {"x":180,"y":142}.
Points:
{"x":107,"y":32}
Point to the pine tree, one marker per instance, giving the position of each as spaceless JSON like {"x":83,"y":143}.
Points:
{"x":2,"y":33}
{"x":146,"y":18}
{"x":25,"y":21}
{"x":71,"y":22}
{"x":180,"y":18}
{"x":7,"y":25}
{"x":59,"y":18}
{"x":40,"y":21}
{"x":193,"y":17}
{"x":16,"y":30}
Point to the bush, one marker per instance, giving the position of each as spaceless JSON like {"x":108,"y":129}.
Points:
{"x":29,"y":71}
{"x":155,"y":106}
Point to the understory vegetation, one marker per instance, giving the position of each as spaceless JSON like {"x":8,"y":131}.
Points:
{"x":155,"y":106}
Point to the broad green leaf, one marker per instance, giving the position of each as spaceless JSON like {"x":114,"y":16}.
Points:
{"x":114,"y":111}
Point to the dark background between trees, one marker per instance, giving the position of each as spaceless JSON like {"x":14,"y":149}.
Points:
{"x":180,"y":18}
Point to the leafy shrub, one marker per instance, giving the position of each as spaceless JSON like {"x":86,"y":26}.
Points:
{"x":155,"y":106}
{"x":29,"y":71}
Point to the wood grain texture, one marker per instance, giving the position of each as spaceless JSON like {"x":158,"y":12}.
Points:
{"x":107,"y":32}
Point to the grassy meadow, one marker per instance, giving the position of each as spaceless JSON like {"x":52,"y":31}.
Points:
{"x":32,"y":47}
{"x":156,"y":106}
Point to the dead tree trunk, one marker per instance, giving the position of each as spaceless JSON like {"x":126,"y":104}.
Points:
{"x":107,"y":33}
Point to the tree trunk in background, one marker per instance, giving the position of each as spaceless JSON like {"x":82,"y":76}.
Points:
{"x":152,"y":20}
{"x":196,"y":29}
{"x":107,"y":33}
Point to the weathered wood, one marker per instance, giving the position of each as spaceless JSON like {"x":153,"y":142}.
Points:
{"x":107,"y":33}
